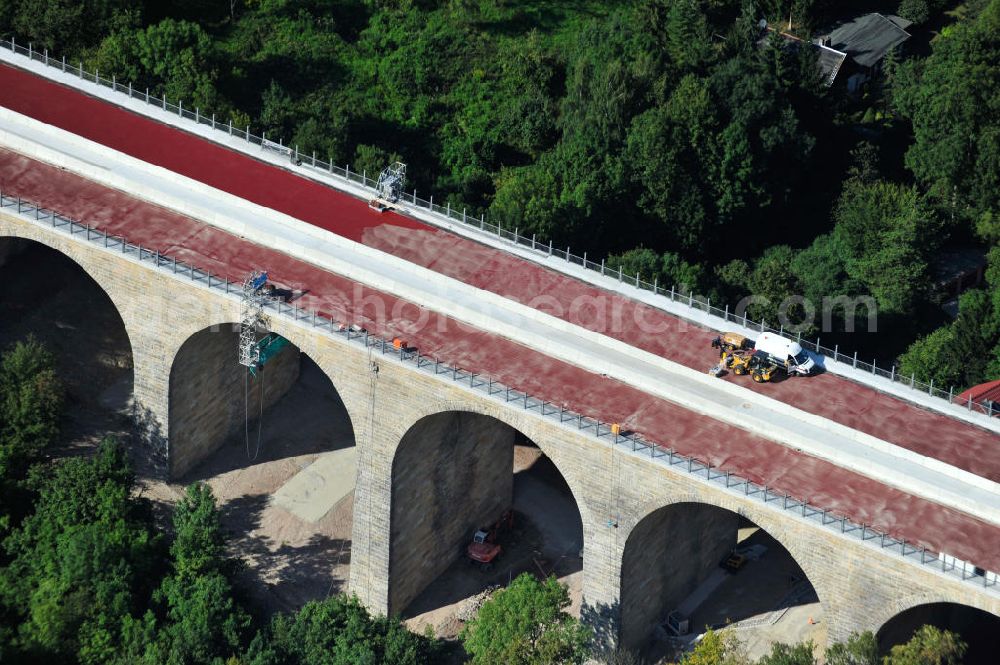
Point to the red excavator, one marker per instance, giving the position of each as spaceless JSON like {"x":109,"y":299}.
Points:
{"x":484,"y":548}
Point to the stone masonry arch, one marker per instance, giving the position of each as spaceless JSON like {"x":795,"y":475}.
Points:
{"x":768,"y":520}
{"x":452,"y":472}
{"x":10,"y":245}
{"x":976,"y":626}
{"x":887,"y":612}
{"x":521,"y":421}
{"x":689,"y":536}
{"x":210,"y":393}
{"x":65,"y":299}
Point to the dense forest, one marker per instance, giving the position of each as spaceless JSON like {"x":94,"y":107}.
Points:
{"x":663,"y":135}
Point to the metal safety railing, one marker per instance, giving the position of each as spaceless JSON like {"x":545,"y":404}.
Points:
{"x":627,"y":442}
{"x":541,"y":249}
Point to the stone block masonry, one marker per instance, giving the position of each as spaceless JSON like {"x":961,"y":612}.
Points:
{"x":408,"y":511}
{"x":452,"y":474}
{"x":212,"y":396}
{"x":697,"y":536}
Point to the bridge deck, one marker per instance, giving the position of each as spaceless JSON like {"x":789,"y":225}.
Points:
{"x":860,"y":407}
{"x":825,"y":484}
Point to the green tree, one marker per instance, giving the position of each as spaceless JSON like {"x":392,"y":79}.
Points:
{"x":886,"y":233}
{"x":787,"y":654}
{"x":917,"y":11}
{"x":732,"y":281}
{"x":667,"y":270}
{"x":194,"y":616}
{"x":718,"y":648}
{"x":925,"y":359}
{"x":339,"y":631}
{"x":65,"y":26}
{"x":82,"y":562}
{"x":773,"y":282}
{"x":199,"y":546}
{"x":949,"y":99}
{"x":967,"y":350}
{"x":974,"y":333}
{"x":864,"y":163}
{"x":688,"y":35}
{"x":667,"y":148}
{"x":859,"y":649}
{"x":172,"y":58}
{"x":929,"y":646}
{"x":684,"y":275}
{"x":640,"y":261}
{"x":821,"y":271}
{"x":31,"y":401}
{"x":526,"y":624}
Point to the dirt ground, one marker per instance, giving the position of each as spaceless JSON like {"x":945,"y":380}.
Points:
{"x":768,"y":600}
{"x":289,"y":560}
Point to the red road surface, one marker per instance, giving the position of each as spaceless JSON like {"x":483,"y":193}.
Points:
{"x":836,"y":398}
{"x":727,"y":447}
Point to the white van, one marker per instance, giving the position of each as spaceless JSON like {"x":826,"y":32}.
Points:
{"x":786,"y":353}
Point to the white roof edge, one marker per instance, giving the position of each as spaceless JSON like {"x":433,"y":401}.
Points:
{"x":893,"y":23}
{"x":661,"y":302}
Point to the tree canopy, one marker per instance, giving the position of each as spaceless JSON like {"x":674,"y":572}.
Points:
{"x":526,"y":624}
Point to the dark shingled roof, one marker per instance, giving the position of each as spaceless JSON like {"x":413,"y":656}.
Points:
{"x":868,"y":38}
{"x":828,"y":60}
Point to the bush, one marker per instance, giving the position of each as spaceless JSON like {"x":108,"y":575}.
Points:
{"x":525,"y":624}
{"x":31,"y":401}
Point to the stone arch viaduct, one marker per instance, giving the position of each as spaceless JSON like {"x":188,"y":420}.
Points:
{"x":882,"y":515}
{"x":426,"y":474}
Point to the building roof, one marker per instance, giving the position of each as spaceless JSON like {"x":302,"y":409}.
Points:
{"x":952,"y":264}
{"x":828,"y":60}
{"x":866,"y":39}
{"x":979,"y":394}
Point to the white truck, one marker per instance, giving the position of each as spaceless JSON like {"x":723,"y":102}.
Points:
{"x":785,"y":353}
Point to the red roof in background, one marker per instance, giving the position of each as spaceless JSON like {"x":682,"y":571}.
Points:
{"x":984,"y":391}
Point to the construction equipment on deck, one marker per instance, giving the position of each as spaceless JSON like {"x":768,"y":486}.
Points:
{"x":484,"y":548}
{"x":760,"y":358}
{"x":389,"y":187}
{"x":730,"y":341}
{"x":762,"y":368}
{"x":759,"y":366}
{"x":257,"y":346}
{"x":252,"y":317}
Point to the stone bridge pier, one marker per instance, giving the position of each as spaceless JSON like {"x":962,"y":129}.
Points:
{"x":435,"y":461}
